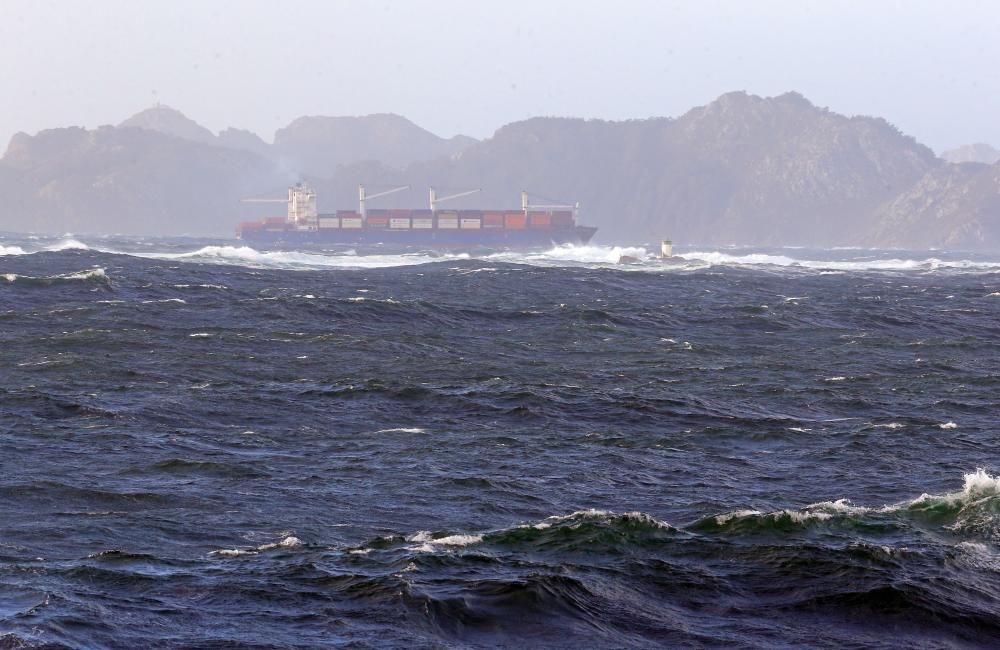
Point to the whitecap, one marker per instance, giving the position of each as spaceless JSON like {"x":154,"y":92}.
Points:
{"x":12,"y":250}
{"x":602,"y":515}
{"x":93,"y":274}
{"x":295,"y":260}
{"x":289,"y":541}
{"x":803,"y":516}
{"x":947,"y":425}
{"x":457,"y":540}
{"x":583,"y":254}
{"x":840,"y":507}
{"x":736,"y":514}
{"x":890,"y":264}
{"x":200,"y":286}
{"x":67,"y":245}
{"x":235,"y":552}
{"x":979,"y":483}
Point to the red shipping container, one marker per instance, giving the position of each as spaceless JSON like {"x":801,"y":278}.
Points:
{"x":514,"y":220}
{"x":539,"y":219}
{"x":493,"y":219}
{"x":562,"y":218}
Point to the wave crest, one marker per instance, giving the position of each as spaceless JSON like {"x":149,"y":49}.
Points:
{"x":68,"y":244}
{"x":96,"y":275}
{"x":972,"y":511}
{"x":295,"y":260}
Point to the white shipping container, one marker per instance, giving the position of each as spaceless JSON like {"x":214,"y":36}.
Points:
{"x":471,"y":223}
{"x":423,"y":223}
{"x":329,"y":222}
{"x":399,"y":223}
{"x":447,"y":223}
{"x":350,"y":222}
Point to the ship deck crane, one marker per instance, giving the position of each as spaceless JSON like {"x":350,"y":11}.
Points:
{"x":527,"y":205}
{"x":363,"y":197}
{"x":435,"y":199}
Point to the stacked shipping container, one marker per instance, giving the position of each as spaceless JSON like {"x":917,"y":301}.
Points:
{"x":427,"y":220}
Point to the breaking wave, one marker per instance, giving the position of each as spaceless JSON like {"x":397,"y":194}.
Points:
{"x":560,"y":255}
{"x":718,"y":258}
{"x":639,"y":258}
{"x":92,"y":275}
{"x":67,"y":245}
{"x":972,"y":511}
{"x":287,"y":542}
{"x":246,"y":256}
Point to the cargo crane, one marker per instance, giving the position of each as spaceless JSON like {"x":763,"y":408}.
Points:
{"x":363,"y":197}
{"x":435,"y":199}
{"x":528,"y":206}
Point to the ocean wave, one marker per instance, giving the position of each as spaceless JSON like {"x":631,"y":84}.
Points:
{"x":97,"y":275}
{"x":590,"y":255}
{"x":559,"y":255}
{"x":289,"y":541}
{"x":68,"y":244}
{"x":428,"y":543}
{"x":590,"y":529}
{"x":892,"y":264}
{"x":294,"y":260}
{"x":974,"y":511}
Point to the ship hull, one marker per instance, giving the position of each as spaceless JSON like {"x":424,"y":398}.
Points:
{"x":436,"y":238}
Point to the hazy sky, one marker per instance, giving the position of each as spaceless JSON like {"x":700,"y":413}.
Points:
{"x":464,"y":66}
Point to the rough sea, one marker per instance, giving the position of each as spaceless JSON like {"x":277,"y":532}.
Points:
{"x":207,"y":446}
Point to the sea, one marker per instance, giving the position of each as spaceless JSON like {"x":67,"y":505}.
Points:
{"x":203,"y":445}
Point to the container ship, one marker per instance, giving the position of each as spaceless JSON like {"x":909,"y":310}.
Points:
{"x":533,"y":226}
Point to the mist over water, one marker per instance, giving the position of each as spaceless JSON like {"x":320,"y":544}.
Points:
{"x":210,"y":446}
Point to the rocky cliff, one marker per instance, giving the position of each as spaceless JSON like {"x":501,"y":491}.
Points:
{"x":742,"y":169}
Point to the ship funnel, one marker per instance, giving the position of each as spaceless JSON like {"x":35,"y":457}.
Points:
{"x":666,"y":248}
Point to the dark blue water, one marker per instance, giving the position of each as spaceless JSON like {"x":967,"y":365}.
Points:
{"x":214,"y":447}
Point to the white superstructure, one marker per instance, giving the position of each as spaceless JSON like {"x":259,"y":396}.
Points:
{"x":302,"y":209}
